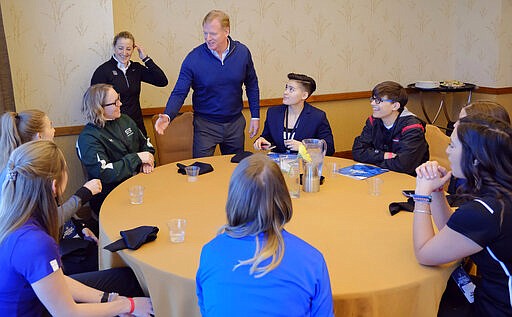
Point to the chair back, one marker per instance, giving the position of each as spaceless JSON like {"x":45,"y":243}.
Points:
{"x":176,"y":142}
{"x":437,"y":143}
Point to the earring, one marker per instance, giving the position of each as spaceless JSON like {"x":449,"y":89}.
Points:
{"x":475,"y":162}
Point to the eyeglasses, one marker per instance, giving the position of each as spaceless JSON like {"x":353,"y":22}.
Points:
{"x":379,"y":100}
{"x":112,"y":103}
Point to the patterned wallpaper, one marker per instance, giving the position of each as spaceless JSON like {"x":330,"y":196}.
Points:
{"x":483,"y":42}
{"x":346,"y":45}
{"x":54,"y":45}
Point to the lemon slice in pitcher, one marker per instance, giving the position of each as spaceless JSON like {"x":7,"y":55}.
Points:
{"x":304,"y":153}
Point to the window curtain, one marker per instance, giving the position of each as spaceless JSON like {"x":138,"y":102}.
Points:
{"x":6,"y":91}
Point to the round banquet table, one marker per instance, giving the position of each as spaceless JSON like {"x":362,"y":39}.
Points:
{"x":369,"y":253}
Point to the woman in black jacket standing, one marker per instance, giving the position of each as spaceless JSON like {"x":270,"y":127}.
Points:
{"x":125,"y":75}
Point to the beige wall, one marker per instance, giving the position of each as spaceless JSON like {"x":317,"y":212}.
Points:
{"x":53,"y":47}
{"x":482,"y":42}
{"x":345,"y":45}
{"x":348,"y":45}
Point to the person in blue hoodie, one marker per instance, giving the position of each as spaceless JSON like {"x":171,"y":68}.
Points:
{"x":216,"y":70}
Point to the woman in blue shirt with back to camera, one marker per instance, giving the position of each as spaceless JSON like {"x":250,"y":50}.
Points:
{"x":254,"y":267}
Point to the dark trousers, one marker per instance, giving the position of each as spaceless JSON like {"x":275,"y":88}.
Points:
{"x":454,"y":303}
{"x":78,"y":256}
{"x":207,"y":134}
{"x":119,"y":280}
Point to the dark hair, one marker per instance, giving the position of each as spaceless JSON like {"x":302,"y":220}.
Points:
{"x":307,"y":83}
{"x":486,"y":160}
{"x":259,"y":202}
{"x":123,"y":35}
{"x":393,"y":91}
{"x":488,"y":107}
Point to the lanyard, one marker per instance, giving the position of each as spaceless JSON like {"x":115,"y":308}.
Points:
{"x":287,"y":134}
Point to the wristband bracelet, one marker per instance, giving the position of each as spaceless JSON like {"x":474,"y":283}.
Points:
{"x":426,"y":212}
{"x":112,"y":296}
{"x":104,"y":297}
{"x":108,"y":297}
{"x":422,"y":198}
{"x":132,"y":305}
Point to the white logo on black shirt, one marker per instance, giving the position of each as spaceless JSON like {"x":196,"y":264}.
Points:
{"x":128,"y":132}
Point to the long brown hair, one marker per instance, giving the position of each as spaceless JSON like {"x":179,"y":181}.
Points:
{"x":486,"y":160}
{"x":27,"y":191}
{"x":259,"y":202}
{"x":487,"y":107}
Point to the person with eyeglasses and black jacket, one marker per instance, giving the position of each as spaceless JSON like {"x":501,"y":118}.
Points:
{"x":393,"y":137}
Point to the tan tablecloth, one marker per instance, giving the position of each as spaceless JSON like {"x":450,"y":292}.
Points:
{"x":368,"y":252}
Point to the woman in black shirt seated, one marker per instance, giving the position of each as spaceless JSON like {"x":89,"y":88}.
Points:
{"x":481,"y":153}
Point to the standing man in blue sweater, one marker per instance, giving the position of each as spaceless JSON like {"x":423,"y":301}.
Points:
{"x":216,"y":71}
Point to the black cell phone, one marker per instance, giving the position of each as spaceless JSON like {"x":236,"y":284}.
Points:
{"x":407,"y":193}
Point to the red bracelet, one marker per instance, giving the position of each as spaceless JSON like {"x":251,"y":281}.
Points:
{"x":132,"y":305}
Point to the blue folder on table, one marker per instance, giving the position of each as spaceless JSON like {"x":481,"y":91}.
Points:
{"x":361,"y":171}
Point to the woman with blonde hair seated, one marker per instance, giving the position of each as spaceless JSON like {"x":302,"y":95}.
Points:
{"x":111,"y":146}
{"x":29,"y":125}
{"x":32,"y":278}
{"x":254,"y":267}
{"x":78,"y":255}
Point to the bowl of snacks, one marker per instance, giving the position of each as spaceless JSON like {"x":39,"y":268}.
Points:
{"x":452,"y":84}
{"x":426,"y":84}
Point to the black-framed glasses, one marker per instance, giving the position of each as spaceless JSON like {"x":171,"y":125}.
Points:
{"x":379,"y":100}
{"x":112,"y":103}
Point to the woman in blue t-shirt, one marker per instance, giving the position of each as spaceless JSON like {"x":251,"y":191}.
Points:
{"x":254,"y":267}
{"x":32,"y":278}
{"x":33,"y":124}
{"x":480,"y":152}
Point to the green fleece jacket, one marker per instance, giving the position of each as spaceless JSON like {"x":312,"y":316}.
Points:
{"x":110,"y":153}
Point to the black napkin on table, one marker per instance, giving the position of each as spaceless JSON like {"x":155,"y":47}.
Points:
{"x":133,"y":238}
{"x":396,"y":207}
{"x":240,"y":156}
{"x":203,"y":168}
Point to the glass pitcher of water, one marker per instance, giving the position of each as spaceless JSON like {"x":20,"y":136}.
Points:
{"x":316,"y":149}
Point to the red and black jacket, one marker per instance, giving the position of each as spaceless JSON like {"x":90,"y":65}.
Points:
{"x":406,"y":139}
